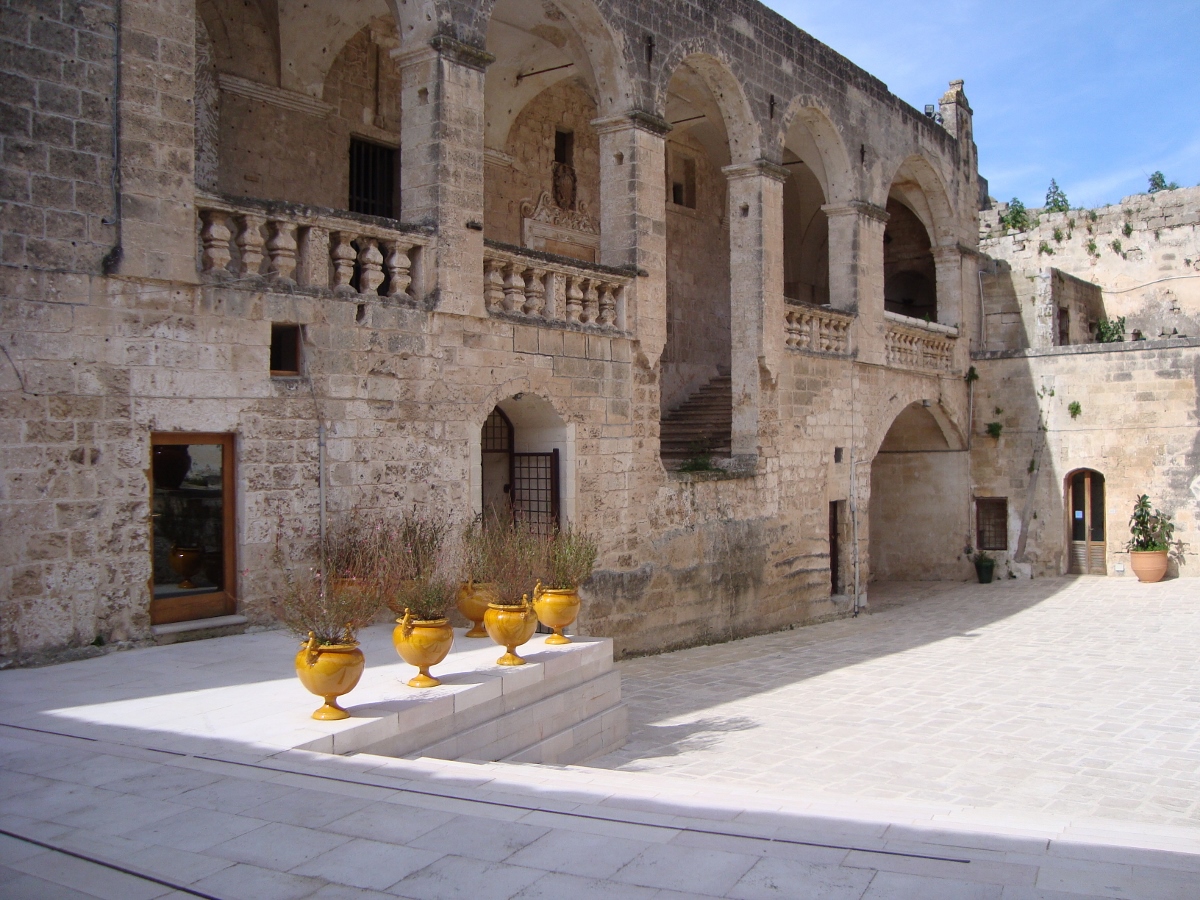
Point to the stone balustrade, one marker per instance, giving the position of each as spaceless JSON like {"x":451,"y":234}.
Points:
{"x":915,"y":344}
{"x":292,"y":246}
{"x":817,"y":328}
{"x":543,"y":287}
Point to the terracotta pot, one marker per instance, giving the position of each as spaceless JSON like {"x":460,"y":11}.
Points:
{"x":422,"y":643}
{"x":186,"y":562}
{"x":556,"y":608}
{"x":329,"y":670}
{"x":472,"y":601}
{"x":510,"y":626}
{"x":169,"y":465}
{"x":1148,"y":565}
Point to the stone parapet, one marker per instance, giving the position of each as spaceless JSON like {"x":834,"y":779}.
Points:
{"x":914,"y":344}
{"x":816,"y":329}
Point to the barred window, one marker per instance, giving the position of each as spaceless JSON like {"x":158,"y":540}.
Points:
{"x":372,"y":178}
{"x":991,"y":521}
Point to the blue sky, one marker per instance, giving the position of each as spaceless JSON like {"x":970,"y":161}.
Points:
{"x":1094,"y":93}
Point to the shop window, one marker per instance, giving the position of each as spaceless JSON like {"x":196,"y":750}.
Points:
{"x":192,"y":527}
{"x":285,"y":349}
{"x":991,"y":522}
{"x":372,"y":178}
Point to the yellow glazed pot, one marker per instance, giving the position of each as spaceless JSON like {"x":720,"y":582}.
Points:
{"x":556,"y":608}
{"x":473,"y":599}
{"x":510,"y":626}
{"x":329,"y":670}
{"x":422,"y":643}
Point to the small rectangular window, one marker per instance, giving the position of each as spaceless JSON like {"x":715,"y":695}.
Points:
{"x":683,"y":181}
{"x":372,"y":178}
{"x":285,"y":349}
{"x":991,"y":523}
{"x":564,"y":147}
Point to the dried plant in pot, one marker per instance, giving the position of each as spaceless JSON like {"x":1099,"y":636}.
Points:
{"x":326,"y":607}
{"x":477,"y":587}
{"x":515,"y":557}
{"x":569,"y":556}
{"x":420,"y":593}
{"x":1150,"y":543}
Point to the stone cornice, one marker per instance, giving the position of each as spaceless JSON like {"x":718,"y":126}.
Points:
{"x":464,"y":54}
{"x":634,"y":118}
{"x":856,"y":208}
{"x":759,"y":167}
{"x":266,"y":93}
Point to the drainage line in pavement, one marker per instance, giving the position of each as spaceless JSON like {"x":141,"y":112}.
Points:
{"x":408,"y":790}
{"x":578,"y":815}
{"x":124,"y":870}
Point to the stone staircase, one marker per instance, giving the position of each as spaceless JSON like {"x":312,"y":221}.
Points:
{"x":701,"y":424}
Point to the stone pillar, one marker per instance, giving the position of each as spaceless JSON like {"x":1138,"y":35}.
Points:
{"x":948,"y":264}
{"x":441,"y":167}
{"x":157,"y":177}
{"x":633,"y":229}
{"x":856,"y":272}
{"x":755,"y":291}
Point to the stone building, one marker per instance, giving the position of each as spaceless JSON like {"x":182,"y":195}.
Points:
{"x":527,"y":254}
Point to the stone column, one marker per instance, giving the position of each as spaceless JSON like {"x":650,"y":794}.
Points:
{"x":755,"y":291}
{"x":441,"y":168}
{"x":856,"y":272}
{"x":633,"y":230}
{"x":948,"y":264}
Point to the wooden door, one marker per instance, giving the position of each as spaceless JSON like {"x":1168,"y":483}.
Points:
{"x":1086,"y":505}
{"x":192,"y":527}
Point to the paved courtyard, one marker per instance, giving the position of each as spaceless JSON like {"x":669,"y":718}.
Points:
{"x":1078,"y":697}
{"x":1025,"y":741}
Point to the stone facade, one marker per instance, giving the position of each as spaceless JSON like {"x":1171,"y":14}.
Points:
{"x":413,"y":329}
{"x":1135,"y":422}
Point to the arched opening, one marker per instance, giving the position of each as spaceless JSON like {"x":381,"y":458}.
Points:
{"x":805,"y":225}
{"x":919,"y":490}
{"x":1086,"y":542}
{"x":909,"y":274}
{"x":301,"y":109}
{"x":696,"y":396}
{"x":554,"y":73}
{"x":526,"y":464}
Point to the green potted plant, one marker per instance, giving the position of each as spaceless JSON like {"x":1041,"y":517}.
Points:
{"x":569,"y":558}
{"x":985,"y":566}
{"x":1151,"y":531}
{"x":326,"y":607}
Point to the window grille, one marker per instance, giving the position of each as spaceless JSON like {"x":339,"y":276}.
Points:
{"x":991,"y":521}
{"x":372,"y":178}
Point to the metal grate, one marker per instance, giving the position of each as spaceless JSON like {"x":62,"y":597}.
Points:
{"x":497,"y":433}
{"x":535,"y":490}
{"x":372,"y":178}
{"x":991,"y":520}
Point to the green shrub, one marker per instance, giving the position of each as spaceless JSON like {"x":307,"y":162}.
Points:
{"x":1056,"y":200}
{"x":1017,"y":217}
{"x":1110,"y":331}
{"x":1074,"y":408}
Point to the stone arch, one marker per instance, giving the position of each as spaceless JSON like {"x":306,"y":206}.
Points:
{"x":917,"y":184}
{"x":832,"y":167}
{"x":920,"y":483}
{"x":313,"y":33}
{"x":920,"y":219}
{"x":244,"y":37}
{"x":742,"y":129}
{"x":539,"y":425}
{"x":569,"y":33}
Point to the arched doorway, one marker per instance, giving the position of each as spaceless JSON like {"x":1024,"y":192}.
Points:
{"x":1086,"y":548}
{"x":525,"y":468}
{"x":920,"y":483}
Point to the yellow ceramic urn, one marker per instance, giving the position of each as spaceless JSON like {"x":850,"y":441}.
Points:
{"x":472,"y":601}
{"x":422,"y":643}
{"x":329,"y":670}
{"x":556,"y":608}
{"x":510,"y":626}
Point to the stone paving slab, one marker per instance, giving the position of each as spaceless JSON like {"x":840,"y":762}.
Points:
{"x":1070,"y":697}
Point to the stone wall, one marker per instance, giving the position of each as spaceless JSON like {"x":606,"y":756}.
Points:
{"x":1144,"y":253}
{"x":1135,"y":424}
{"x":56,"y":134}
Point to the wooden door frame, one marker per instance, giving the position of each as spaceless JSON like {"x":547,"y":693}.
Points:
{"x":179,"y":609}
{"x":1069,"y":510}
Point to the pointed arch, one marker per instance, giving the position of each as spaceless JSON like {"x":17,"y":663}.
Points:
{"x":743,"y":134}
{"x":831,"y":165}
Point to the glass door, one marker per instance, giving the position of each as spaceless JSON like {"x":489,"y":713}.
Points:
{"x":192,"y":527}
{"x":1087,"y":549}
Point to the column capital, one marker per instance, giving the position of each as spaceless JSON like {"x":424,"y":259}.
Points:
{"x":446,"y":47}
{"x":948,"y":252}
{"x":856,"y":208}
{"x":633,"y":118}
{"x":758,"y":168}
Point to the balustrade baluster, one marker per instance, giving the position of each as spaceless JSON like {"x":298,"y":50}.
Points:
{"x":514,"y":287}
{"x":342,"y":253}
{"x":282,"y":248}
{"x":398,"y":265}
{"x":250,"y":243}
{"x":535,"y":292}
{"x":608,"y":305}
{"x":574,"y":299}
{"x":214,"y":237}
{"x":370,"y":266}
{"x":591,"y":302}
{"x":493,"y":284}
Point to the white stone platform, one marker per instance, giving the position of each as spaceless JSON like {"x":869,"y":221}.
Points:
{"x":240,"y":695}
